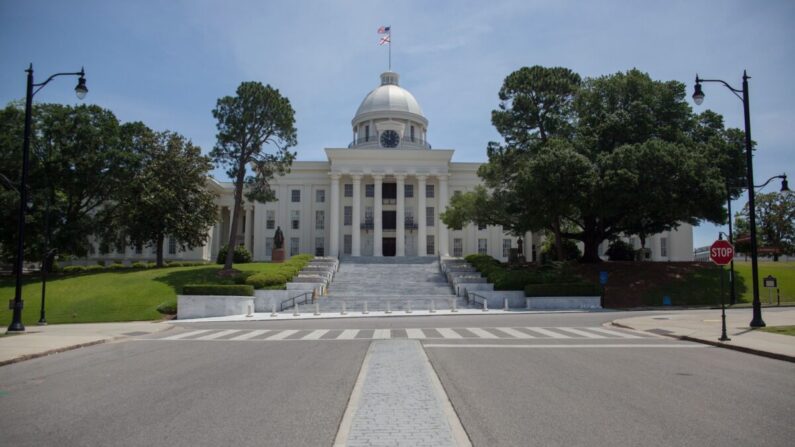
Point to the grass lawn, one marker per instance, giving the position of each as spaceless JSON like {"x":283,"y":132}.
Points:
{"x":784,"y":330}
{"x":124,"y":295}
{"x":702,"y":286}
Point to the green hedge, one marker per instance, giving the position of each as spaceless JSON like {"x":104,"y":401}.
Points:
{"x":216,"y":289}
{"x":266,"y":279}
{"x":240,"y":256}
{"x":505,"y":278}
{"x":168,"y":307}
{"x":563,"y":289}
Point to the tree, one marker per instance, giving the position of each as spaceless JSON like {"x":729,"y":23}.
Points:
{"x":77,"y":163}
{"x":256,"y":117}
{"x":166,"y":196}
{"x":775,"y":214}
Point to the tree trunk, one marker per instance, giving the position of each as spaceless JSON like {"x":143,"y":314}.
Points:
{"x":159,"y":251}
{"x":230,"y":248}
{"x":591,"y":240}
{"x":642,"y":238}
{"x":558,"y":241}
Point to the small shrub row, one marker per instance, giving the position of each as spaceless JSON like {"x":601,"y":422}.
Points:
{"x":283,"y":273}
{"x":168,"y":307}
{"x":74,"y":269}
{"x":563,"y":289}
{"x":505,"y":278}
{"x":218,"y":289}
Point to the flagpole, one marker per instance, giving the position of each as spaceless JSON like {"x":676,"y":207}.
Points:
{"x":390,"y":48}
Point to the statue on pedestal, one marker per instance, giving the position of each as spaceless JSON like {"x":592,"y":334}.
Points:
{"x":278,"y":246}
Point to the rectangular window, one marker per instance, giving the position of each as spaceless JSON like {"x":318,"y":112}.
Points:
{"x":368,"y":214}
{"x":294,"y":244}
{"x":295,"y":219}
{"x":412,"y":134}
{"x":268,"y":246}
{"x":295,"y":195}
{"x":482,"y":246}
{"x":270,"y":219}
{"x":429,"y":217}
{"x":172,"y":246}
{"x":369,"y":190}
{"x":320,"y":196}
{"x":319,"y":246}
{"x":347,"y":216}
{"x":139,"y":249}
{"x":506,"y":248}
{"x":408,"y":191}
{"x":348,"y":187}
{"x":366,"y":133}
{"x":409,"y":216}
{"x":429,"y":191}
{"x":429,"y":246}
{"x":347,"y":244}
{"x":389,"y":191}
{"x":458,"y":247}
{"x":664,"y":247}
{"x":320,"y":220}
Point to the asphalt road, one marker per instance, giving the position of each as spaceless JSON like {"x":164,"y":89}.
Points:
{"x":293,"y":392}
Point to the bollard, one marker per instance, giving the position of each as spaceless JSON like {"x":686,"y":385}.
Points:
{"x":295,"y":311}
{"x":388,"y":309}
{"x":273,"y":310}
{"x":317,"y":308}
{"x":343,"y":309}
{"x":485,"y":305}
{"x":505,"y":306}
{"x":453,"y":306}
{"x":527,"y":303}
{"x":408,"y":307}
{"x":432,"y":307}
{"x":365,"y":309}
{"x":249,"y":314}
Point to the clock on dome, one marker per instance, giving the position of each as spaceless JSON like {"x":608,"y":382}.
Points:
{"x":389,"y":138}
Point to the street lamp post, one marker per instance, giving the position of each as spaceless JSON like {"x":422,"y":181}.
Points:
{"x":81,"y":90}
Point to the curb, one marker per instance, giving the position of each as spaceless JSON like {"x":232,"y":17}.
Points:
{"x":22,"y":358}
{"x":772,"y":355}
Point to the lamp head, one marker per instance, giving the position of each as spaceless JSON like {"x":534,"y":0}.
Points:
{"x":698,"y":94}
{"x":785,"y":185}
{"x":81,"y":88}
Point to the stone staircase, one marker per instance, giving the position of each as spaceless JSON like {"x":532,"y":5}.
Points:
{"x":399,"y":281}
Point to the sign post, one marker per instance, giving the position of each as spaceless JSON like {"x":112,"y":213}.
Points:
{"x":721,"y":253}
{"x":770,"y":283}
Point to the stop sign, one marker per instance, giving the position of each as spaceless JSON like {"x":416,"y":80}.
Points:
{"x":721,"y":252}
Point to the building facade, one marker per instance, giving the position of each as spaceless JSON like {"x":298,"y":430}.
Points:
{"x":380,"y":196}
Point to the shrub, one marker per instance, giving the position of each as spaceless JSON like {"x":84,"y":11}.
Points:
{"x":218,"y":289}
{"x":241,"y":255}
{"x":140,"y":265}
{"x":151,"y":265}
{"x":620,"y":251}
{"x":93,"y":268}
{"x":168,"y":307}
{"x":563,"y":289}
{"x":266,"y":279}
{"x":117,"y":267}
{"x":570,"y":250}
{"x":73,"y":269}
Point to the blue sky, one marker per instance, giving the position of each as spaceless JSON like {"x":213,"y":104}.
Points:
{"x":166,"y":63}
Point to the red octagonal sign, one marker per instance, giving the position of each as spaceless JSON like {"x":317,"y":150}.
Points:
{"x":721,"y":252}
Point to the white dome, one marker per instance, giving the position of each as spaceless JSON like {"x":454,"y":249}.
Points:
{"x":389,"y":99}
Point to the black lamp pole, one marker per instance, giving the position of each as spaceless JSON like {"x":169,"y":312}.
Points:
{"x":81,"y":90}
{"x":698,"y":98}
{"x":733,"y":296}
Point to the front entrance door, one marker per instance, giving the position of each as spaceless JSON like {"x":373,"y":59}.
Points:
{"x":388,"y":246}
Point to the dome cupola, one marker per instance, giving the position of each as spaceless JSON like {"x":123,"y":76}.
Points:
{"x":389,"y":117}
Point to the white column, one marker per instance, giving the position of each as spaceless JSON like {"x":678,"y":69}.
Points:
{"x":377,"y":216}
{"x":421,"y":230}
{"x":357,"y":220}
{"x":443,"y":242}
{"x":217,"y":235}
{"x":400,"y":236}
{"x":249,"y":242}
{"x":334,"y":242}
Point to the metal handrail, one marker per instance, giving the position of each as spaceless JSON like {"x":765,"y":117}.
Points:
{"x":474,"y":297}
{"x":306,"y":300}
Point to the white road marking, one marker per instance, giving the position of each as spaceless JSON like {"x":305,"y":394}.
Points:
{"x":249,"y":335}
{"x":186,"y":335}
{"x":514,"y":333}
{"x":434,"y":345}
{"x":348,"y":334}
{"x":613,"y":333}
{"x":314,"y":335}
{"x":547,"y":332}
{"x":574,"y":331}
{"x":415,"y":333}
{"x":218,"y":334}
{"x":481,"y":333}
{"x":448,"y":333}
{"x":382,"y":334}
{"x":282,"y":335}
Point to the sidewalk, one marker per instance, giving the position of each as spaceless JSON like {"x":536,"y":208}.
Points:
{"x":704,"y":326}
{"x":38,"y":341}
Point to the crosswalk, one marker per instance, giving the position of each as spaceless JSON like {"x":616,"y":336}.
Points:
{"x":487,"y":333}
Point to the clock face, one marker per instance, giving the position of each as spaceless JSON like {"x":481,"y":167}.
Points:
{"x":389,"y":138}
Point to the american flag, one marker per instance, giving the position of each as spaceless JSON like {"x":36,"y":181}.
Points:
{"x":383,"y":30}
{"x":384,"y":40}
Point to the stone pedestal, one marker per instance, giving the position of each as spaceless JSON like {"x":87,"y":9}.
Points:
{"x":277,"y":255}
